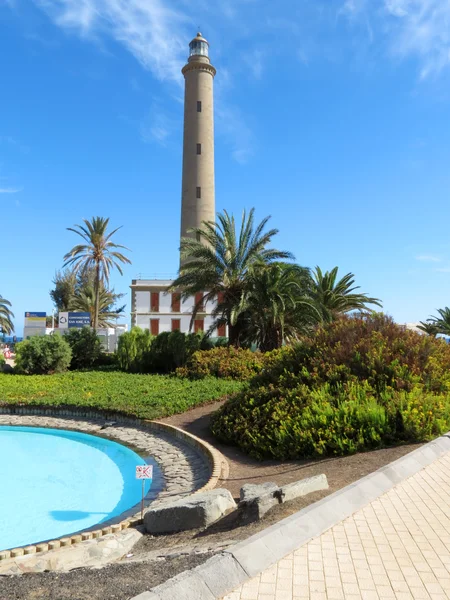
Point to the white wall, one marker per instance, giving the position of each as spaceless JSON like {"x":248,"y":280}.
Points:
{"x":142,"y":300}
{"x":165,"y":302}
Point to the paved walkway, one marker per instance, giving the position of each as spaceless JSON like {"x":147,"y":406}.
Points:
{"x":397,"y":547}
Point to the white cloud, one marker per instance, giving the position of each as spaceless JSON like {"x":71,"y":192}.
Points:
{"x":443,"y":270}
{"x":428,"y":258}
{"x":10,"y":190}
{"x":421,"y":29}
{"x":410,"y":28}
{"x":151,"y":30}
{"x":157,"y":126}
{"x":232,"y":126}
{"x":254,"y":62}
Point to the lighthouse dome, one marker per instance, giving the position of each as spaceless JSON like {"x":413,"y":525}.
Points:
{"x":199,"y":46}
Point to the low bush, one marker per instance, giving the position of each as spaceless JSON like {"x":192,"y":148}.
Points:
{"x":43,"y":355}
{"x":139,"y":352}
{"x":227,"y":363}
{"x":356,"y":384}
{"x":2,"y":360}
{"x":85,"y":345}
{"x":143,"y":396}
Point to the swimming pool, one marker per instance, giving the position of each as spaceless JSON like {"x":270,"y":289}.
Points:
{"x":55,"y":482}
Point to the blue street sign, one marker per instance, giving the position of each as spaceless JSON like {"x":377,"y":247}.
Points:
{"x":78,"y":319}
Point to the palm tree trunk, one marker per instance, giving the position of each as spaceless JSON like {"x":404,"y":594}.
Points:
{"x":97,"y":294}
{"x":233,"y":336}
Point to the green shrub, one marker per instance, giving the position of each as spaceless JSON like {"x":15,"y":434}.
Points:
{"x":139,"y":352}
{"x":2,"y":360}
{"x":227,"y":363}
{"x":85,"y":345}
{"x":43,"y":355}
{"x":133,"y":350}
{"x":356,"y":384}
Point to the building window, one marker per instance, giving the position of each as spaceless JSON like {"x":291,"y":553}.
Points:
{"x":199,"y":192}
{"x":199,"y":148}
{"x":199,"y":301}
{"x":176,"y":302}
{"x":154,"y":302}
{"x":222,"y":330}
{"x":199,"y":106}
{"x":154,"y":326}
{"x":199,"y":325}
{"x":176,"y":324}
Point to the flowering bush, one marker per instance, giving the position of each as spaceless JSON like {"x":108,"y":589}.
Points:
{"x":356,"y":384}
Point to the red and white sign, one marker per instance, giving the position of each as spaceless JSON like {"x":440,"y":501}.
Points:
{"x":144,"y":472}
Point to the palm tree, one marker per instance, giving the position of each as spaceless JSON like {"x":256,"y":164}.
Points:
{"x":218,"y":261}
{"x":99,"y":253}
{"x":441,"y":323}
{"x":429,"y":327}
{"x":278,"y":305}
{"x":6,"y":316}
{"x":334,"y":298}
{"x":84,"y":301}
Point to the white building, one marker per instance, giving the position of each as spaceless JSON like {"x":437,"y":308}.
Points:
{"x":153,"y":308}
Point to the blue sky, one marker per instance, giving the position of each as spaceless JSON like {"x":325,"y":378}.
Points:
{"x":331,"y":115}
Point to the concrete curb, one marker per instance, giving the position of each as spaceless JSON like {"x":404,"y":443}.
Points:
{"x":224,"y":572}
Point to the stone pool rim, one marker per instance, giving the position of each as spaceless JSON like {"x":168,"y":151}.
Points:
{"x":217,"y":463}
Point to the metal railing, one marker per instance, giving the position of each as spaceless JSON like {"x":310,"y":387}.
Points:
{"x":151,"y":276}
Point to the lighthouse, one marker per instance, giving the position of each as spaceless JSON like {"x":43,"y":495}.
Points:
{"x":153,"y":306}
{"x":197,"y":190}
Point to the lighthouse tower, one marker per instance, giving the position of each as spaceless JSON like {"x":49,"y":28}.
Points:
{"x":153,"y":307}
{"x":197,"y":193}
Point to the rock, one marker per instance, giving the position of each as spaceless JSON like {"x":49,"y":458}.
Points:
{"x":251,"y":490}
{"x":194,"y":512}
{"x":304,"y":486}
{"x":256,"y":500}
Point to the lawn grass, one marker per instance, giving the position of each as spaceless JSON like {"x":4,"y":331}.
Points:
{"x":144,"y":396}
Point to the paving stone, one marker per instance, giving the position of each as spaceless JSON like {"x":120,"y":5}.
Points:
{"x":414,"y":513}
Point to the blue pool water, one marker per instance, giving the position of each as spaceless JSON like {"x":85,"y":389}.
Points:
{"x":55,"y":482}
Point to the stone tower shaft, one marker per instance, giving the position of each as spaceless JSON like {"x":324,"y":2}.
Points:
{"x":198,"y":194}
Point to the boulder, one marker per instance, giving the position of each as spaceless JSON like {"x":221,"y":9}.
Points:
{"x":250,"y":491}
{"x":193,"y":512}
{"x":296,"y":489}
{"x":256,"y":500}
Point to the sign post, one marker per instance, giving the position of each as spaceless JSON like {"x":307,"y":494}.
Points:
{"x":144,"y":472}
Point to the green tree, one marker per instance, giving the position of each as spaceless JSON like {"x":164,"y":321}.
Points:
{"x":278,"y":306}
{"x":65,"y":289}
{"x":429,"y":328}
{"x":441,"y":324}
{"x":335,"y":297}
{"x":218,"y":261}
{"x":76,"y":292}
{"x":84,"y":301}
{"x":6,"y":316}
{"x":99,"y":252}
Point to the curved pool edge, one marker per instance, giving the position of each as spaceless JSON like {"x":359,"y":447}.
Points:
{"x":218,"y":465}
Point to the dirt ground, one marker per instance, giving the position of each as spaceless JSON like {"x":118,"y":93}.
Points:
{"x":156,"y":559}
{"x":243,"y":469}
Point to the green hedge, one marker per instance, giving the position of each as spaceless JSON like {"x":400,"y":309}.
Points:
{"x":357,"y":384}
{"x":227,"y":363}
{"x":140,"y":352}
{"x":144,"y":396}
